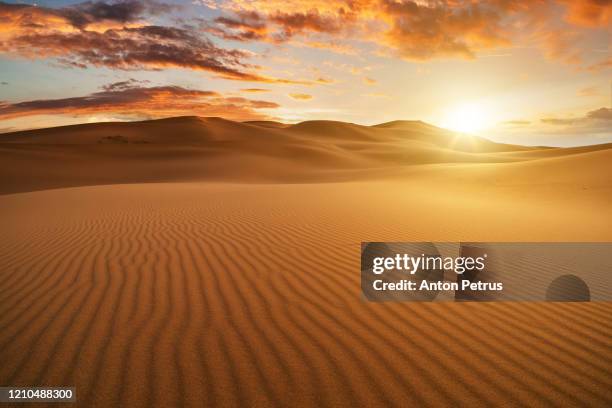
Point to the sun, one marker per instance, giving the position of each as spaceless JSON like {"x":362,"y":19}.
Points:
{"x":467,"y":118}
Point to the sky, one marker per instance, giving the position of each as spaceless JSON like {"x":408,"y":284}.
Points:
{"x":532,"y":72}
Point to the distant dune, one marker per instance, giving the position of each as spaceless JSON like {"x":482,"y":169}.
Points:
{"x":198,"y":261}
{"x":214,"y":149}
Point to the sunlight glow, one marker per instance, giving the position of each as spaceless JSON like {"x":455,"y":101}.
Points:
{"x":467,"y":117}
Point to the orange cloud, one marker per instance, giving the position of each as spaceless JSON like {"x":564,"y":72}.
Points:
{"x":254,"y":90}
{"x":598,"y":66}
{"x":278,"y":26}
{"x":589,"y":13}
{"x":311,"y":21}
{"x":419,"y":30}
{"x":300,"y":96}
{"x":130,"y":98}
{"x":562,"y":45}
{"x":422,"y":32}
{"x":415,"y":30}
{"x":369,"y":81}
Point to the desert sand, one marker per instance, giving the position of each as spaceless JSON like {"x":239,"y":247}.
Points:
{"x":193,"y":261}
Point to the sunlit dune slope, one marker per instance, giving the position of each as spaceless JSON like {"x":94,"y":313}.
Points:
{"x":218,"y":294}
{"x":214,"y":149}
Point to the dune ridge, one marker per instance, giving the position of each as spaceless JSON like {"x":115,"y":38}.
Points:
{"x":215,"y":149}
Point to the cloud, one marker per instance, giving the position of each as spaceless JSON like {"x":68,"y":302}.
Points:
{"x":516,"y":123}
{"x":593,"y":127}
{"x":588,"y":91}
{"x":132,"y":99}
{"x":324,"y":81}
{"x":83,"y":14}
{"x":274,"y":27}
{"x":130,"y":83}
{"x":63,"y":34}
{"x":421,"y":32}
{"x":147,"y":47}
{"x":118,"y":34}
{"x":4,"y":83}
{"x":254,"y":90}
{"x":589,"y":13}
{"x":597,"y":117}
{"x":562,"y":45}
{"x":413,"y":30}
{"x":297,"y":23}
{"x":244,"y":26}
{"x":378,"y":95}
{"x":598,"y":66}
{"x":300,"y":96}
{"x":369,"y":81}
{"x":600,"y":114}
{"x":334,"y":46}
{"x":418,"y":30}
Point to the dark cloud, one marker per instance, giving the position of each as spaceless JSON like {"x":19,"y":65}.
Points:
{"x":106,"y":99}
{"x":130,"y":98}
{"x":130,"y":83}
{"x":244,"y":26}
{"x":51,"y":33}
{"x":147,"y":47}
{"x":601,"y":113}
{"x":84,"y":14}
{"x":276,"y":27}
{"x":4,"y":83}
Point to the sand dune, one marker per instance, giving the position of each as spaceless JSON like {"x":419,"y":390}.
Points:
{"x":214,"y":149}
{"x":196,"y":276}
{"x":180,"y":294}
